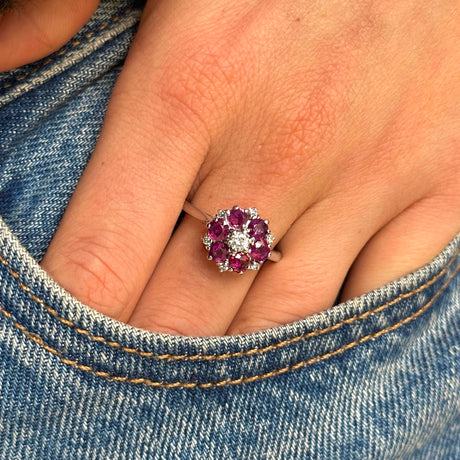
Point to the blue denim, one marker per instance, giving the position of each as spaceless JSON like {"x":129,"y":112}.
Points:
{"x":376,"y":377}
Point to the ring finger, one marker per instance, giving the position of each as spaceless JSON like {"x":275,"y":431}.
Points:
{"x":187,"y":294}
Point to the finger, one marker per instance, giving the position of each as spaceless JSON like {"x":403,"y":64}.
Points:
{"x":127,"y":202}
{"x":187,"y":294}
{"x":317,"y":253}
{"x":31,"y":30}
{"x":407,"y":243}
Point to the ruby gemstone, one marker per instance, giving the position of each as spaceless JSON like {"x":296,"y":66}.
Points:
{"x":239,"y":262}
{"x":217,"y":231}
{"x":257,"y":228}
{"x":218,"y":252}
{"x":259,"y":251}
{"x":237,"y":218}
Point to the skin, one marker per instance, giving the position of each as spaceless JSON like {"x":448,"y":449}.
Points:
{"x":340,"y":121}
{"x":32,"y":29}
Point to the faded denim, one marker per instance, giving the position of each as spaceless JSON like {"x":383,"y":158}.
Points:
{"x":373,"y":378}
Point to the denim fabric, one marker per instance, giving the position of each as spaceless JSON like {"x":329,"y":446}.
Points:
{"x":376,"y":377}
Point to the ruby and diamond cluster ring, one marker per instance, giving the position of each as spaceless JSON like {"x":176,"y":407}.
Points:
{"x":238,"y":240}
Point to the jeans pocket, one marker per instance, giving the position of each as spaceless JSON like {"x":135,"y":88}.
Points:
{"x":369,"y":378}
{"x":51,"y":113}
{"x":373,"y":378}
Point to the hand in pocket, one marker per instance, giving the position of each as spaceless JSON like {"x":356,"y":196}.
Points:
{"x":338,"y":122}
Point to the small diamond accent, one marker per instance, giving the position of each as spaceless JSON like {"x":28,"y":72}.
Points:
{"x":222,"y":214}
{"x":207,"y":241}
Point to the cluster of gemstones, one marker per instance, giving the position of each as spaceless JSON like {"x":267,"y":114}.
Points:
{"x":238,"y":240}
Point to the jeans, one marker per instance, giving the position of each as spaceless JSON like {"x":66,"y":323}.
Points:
{"x":376,"y":377}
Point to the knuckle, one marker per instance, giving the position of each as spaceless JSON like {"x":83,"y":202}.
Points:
{"x":309,"y":119}
{"x":202,"y":82}
{"x":183,"y":313}
{"x":298,"y":136}
{"x":311,"y":282}
{"x":96,"y":282}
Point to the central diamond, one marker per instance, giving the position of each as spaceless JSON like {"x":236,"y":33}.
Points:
{"x":239,"y":241}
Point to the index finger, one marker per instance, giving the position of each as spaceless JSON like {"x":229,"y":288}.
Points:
{"x":127,"y":202}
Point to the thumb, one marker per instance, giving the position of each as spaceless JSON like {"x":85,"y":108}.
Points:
{"x":31,"y":30}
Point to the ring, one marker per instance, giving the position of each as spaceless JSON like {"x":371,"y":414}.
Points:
{"x":237,"y":239}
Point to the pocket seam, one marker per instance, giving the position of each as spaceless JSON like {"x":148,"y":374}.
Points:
{"x":215,"y":357}
{"x":39,"y":340}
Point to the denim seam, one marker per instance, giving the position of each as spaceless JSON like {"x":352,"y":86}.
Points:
{"x":37,"y":339}
{"x":69,"y":47}
{"x":256,"y":350}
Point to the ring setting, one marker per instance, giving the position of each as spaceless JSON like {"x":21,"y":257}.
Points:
{"x":238,"y":240}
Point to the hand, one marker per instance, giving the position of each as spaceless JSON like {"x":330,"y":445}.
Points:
{"x":339,"y":122}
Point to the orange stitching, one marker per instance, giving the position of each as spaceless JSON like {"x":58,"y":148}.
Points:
{"x":258,"y":350}
{"x":65,"y":50}
{"x":37,"y":339}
